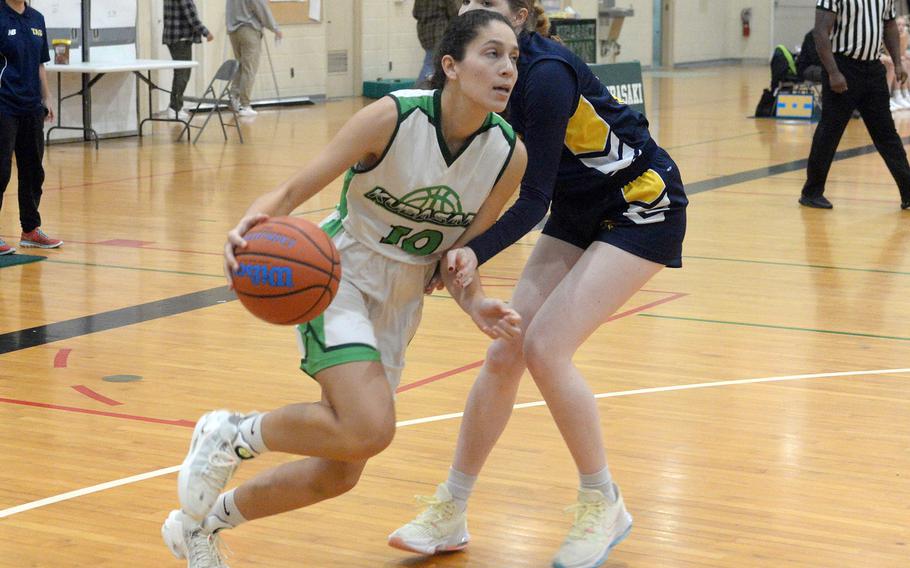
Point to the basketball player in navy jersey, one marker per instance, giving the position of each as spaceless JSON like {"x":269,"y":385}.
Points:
{"x":426,"y":170}
{"x":618,"y":215}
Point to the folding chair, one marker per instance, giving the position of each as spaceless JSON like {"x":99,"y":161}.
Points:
{"x":225,"y":74}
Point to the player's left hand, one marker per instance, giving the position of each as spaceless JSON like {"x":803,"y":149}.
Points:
{"x":435,"y":282}
{"x":463,"y":263}
{"x":496,"y":319}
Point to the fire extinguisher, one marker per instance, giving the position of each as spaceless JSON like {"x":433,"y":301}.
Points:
{"x":746,"y":16}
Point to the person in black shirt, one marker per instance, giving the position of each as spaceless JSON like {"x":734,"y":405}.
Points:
{"x":848,"y":35}
{"x":23,"y":109}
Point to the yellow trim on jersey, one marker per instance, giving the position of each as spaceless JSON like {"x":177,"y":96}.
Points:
{"x":646,"y":188}
{"x":587,"y":131}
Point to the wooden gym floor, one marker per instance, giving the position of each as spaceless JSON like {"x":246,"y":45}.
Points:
{"x":755,"y":403}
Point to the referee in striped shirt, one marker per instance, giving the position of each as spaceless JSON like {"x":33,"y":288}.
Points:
{"x":849,"y":35}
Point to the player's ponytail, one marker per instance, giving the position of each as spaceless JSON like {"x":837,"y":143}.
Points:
{"x":539,"y":19}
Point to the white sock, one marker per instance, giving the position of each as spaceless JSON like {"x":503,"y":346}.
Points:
{"x":224,"y":514}
{"x":601,"y":481}
{"x":460,"y":486}
{"x":250,"y":434}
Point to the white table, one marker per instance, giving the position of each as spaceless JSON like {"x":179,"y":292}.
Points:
{"x":91,"y":72}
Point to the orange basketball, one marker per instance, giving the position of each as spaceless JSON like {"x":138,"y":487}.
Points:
{"x":289,"y":271}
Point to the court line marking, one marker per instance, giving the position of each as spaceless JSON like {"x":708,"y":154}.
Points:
{"x":86,"y":491}
{"x":782,"y":327}
{"x":61,"y":358}
{"x":795,"y":264}
{"x":441,"y":417}
{"x":82,"y":389}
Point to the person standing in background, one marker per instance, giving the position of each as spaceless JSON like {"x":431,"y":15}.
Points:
{"x":24,"y":107}
{"x":182,"y":28}
{"x":432,"y":18}
{"x":849,"y":35}
{"x":245,"y":20}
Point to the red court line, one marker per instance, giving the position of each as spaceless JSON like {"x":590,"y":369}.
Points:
{"x":186,"y":423}
{"x":134,"y":178}
{"x":427,"y":380}
{"x":60,"y":359}
{"x":129,"y":243}
{"x":633,"y":311}
{"x":165,"y":174}
{"x":672,"y":296}
{"x":82,"y":389}
{"x":421,"y":382}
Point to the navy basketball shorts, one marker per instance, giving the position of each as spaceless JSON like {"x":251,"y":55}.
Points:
{"x":645,"y":217}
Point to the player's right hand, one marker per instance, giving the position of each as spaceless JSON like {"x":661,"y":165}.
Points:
{"x":838,"y":82}
{"x":235,"y":241}
{"x":496,"y":319}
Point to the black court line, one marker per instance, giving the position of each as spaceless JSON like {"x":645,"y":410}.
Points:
{"x":42,"y":335}
{"x":768,"y":171}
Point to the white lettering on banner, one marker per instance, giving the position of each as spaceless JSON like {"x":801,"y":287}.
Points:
{"x":630,"y":93}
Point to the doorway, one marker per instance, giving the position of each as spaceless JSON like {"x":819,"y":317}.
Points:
{"x":342,"y":43}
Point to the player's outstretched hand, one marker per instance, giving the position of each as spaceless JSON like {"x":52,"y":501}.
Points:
{"x":235,"y":241}
{"x":496,"y":319}
{"x":463,"y":263}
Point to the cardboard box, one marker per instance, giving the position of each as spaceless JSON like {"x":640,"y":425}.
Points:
{"x":796,"y":105}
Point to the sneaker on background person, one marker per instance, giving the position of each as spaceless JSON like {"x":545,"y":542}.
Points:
{"x":5,"y":248}
{"x":38,"y":239}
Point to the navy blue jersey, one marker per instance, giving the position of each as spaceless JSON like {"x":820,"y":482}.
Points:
{"x":602,"y":137}
{"x":584,"y":146}
{"x":23,"y":48}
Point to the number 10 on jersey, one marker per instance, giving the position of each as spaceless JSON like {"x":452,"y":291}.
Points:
{"x":420,"y":244}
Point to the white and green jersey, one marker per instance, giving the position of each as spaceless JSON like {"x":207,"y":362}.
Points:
{"x":418,"y":199}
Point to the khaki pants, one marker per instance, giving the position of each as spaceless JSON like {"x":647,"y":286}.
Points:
{"x":247,"y":44}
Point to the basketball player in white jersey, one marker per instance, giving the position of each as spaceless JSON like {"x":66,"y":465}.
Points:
{"x":426,"y":171}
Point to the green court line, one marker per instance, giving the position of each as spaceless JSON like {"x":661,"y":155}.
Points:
{"x":798,"y":265}
{"x":182,"y":273}
{"x":784,"y":327}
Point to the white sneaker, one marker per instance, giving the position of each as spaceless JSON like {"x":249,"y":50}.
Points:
{"x":247,"y":111}
{"x":439,"y":528}
{"x":183,"y":115}
{"x":894,"y":106}
{"x":186,"y":540}
{"x":210,"y":463}
{"x":598,"y":527}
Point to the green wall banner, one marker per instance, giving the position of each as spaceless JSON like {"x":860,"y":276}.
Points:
{"x":624,"y":82}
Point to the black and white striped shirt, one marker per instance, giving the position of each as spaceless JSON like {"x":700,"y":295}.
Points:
{"x":860,"y":26}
